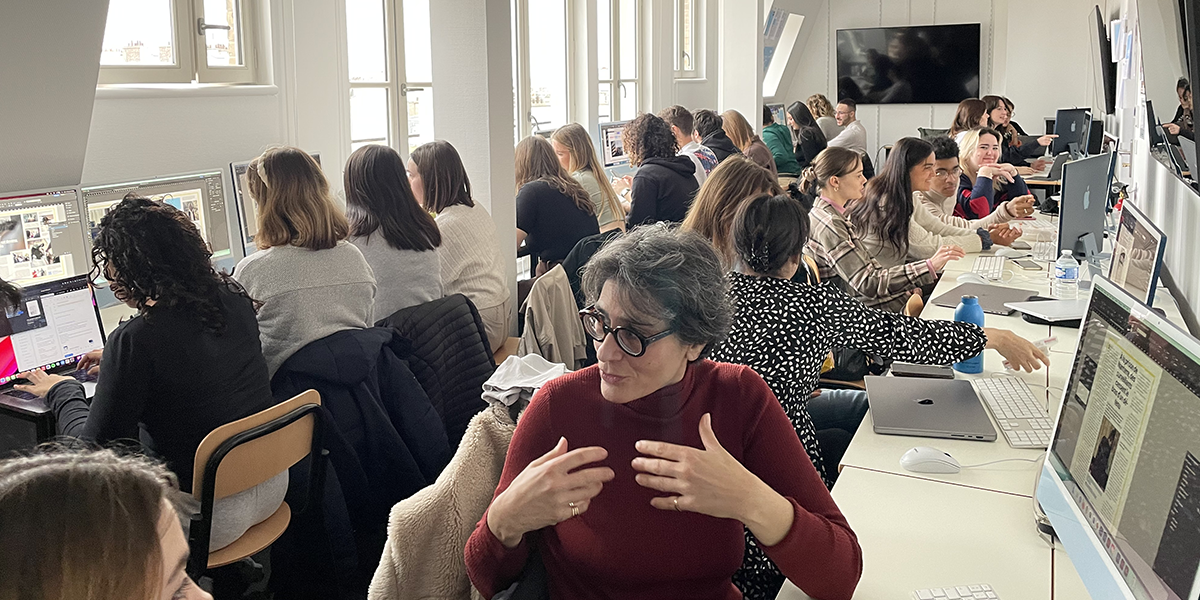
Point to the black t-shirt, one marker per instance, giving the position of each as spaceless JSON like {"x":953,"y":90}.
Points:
{"x":166,"y":382}
{"x":551,"y":221}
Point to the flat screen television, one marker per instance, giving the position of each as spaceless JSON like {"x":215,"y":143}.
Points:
{"x":931,"y":64}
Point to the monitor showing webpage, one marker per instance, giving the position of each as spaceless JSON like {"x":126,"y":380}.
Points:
{"x":1127,"y":450}
{"x":55,"y":323}
{"x":611,"y":150}
{"x":41,"y":236}
{"x":1137,"y":254}
{"x":200,"y":196}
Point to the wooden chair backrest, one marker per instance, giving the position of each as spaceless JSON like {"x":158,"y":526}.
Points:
{"x":260,"y":459}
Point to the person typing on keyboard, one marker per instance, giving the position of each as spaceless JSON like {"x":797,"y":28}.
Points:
{"x":189,"y":362}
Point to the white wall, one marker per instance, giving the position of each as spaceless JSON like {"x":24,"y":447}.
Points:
{"x":1035,"y":52}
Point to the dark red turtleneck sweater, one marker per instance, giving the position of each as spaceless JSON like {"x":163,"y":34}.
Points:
{"x":623,"y":547}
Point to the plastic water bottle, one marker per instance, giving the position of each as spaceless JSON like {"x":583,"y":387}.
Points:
{"x":969,"y":311}
{"x":1066,"y":277}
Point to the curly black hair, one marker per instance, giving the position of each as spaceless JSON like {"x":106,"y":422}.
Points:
{"x":647,"y":136}
{"x":150,"y":251}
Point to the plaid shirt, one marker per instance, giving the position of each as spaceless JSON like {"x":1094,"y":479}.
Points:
{"x":842,"y":258}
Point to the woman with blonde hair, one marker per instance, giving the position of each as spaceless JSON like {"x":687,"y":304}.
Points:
{"x":575,"y":152}
{"x":711,"y":214}
{"x":311,"y":281}
{"x":554,"y":212}
{"x":986,"y":184}
{"x":743,"y":136}
{"x":91,"y":526}
{"x":822,"y":112}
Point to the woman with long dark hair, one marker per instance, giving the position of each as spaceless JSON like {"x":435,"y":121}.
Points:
{"x":554,"y":212}
{"x":837,"y":245}
{"x":189,"y":362}
{"x":470,"y":257}
{"x":1015,"y":151}
{"x":396,"y":236}
{"x":972,"y":113}
{"x":809,"y":141}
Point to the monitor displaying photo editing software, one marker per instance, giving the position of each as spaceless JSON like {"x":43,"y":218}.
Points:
{"x":612,"y":152}
{"x":41,"y":236}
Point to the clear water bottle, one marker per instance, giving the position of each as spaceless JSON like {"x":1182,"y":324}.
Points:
{"x":1066,"y":277}
{"x":969,"y":311}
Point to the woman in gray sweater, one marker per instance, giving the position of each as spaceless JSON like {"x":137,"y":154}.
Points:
{"x":311,"y":282}
{"x":397,"y":237}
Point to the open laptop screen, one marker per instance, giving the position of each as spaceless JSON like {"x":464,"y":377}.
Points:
{"x":56,"y":323}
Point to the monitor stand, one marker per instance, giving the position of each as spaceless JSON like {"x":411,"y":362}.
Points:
{"x":1092,"y":257}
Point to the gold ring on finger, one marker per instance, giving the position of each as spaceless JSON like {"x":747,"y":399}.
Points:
{"x":574,"y":509}
{"x":676,"y":500}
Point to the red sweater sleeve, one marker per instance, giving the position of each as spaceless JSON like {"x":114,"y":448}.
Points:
{"x":491,"y":565}
{"x":820,"y":554}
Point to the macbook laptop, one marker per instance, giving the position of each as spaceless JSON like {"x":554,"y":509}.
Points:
{"x":992,"y":298}
{"x":935,"y":408}
{"x":56,"y":323}
{"x":1056,"y":169}
{"x":1189,"y":154}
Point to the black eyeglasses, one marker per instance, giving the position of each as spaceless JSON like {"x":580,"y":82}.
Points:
{"x":630,"y":341}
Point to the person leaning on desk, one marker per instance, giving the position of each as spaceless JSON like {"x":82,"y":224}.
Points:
{"x":635,"y":478}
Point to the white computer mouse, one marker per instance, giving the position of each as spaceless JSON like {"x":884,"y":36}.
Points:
{"x":924,"y":459}
{"x":1010,"y":253}
{"x":972,"y":278}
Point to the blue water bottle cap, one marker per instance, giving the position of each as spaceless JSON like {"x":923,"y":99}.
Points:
{"x":970,"y":299}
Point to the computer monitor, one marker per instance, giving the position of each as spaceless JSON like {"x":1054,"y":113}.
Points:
{"x":611,"y":150}
{"x":1121,"y":481}
{"x":1137,"y":254}
{"x":42,"y":235}
{"x":1152,"y":126}
{"x":247,"y":210}
{"x":1084,"y":205}
{"x":1189,"y":154}
{"x":777,"y":111}
{"x":1073,"y":128}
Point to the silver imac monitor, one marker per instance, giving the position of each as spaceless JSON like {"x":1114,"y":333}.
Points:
{"x":1137,"y":254}
{"x":1121,"y":480}
{"x":611,"y":150}
{"x":244,"y":206}
{"x":1084,"y":205}
{"x":42,"y":235}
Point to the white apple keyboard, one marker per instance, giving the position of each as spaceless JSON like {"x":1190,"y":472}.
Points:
{"x":989,"y":267}
{"x":962,"y":592}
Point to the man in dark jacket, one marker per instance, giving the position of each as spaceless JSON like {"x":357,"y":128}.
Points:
{"x":709,"y":130}
{"x":664,"y":185}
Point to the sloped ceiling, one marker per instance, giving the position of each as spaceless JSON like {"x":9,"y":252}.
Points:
{"x":49,"y":62}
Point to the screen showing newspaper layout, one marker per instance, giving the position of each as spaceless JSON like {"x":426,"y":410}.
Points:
{"x":41,"y":236}
{"x":1127,"y":445}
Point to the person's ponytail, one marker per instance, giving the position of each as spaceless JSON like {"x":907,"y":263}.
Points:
{"x":808,"y":182}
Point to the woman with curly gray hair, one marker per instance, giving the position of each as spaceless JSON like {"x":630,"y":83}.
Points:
{"x":635,"y":477}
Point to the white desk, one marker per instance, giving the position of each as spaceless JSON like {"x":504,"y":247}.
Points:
{"x":919,"y":534}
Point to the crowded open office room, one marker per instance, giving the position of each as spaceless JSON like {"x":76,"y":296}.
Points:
{"x":524,"y":299}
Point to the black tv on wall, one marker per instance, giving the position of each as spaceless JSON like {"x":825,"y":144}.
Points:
{"x":930,"y":64}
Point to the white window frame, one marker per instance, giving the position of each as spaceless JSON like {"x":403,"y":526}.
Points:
{"x":191,"y":64}
{"x":688,"y":66}
{"x":521,"y":85}
{"x":394,"y":49}
{"x":617,"y":82}
{"x":402,"y":77}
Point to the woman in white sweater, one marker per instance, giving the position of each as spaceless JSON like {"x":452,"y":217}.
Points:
{"x":470,"y":256}
{"x":311,"y":282}
{"x":397,"y":237}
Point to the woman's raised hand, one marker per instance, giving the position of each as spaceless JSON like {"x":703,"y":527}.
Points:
{"x":548,"y":491}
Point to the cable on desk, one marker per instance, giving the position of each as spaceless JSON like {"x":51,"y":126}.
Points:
{"x":1028,"y":460}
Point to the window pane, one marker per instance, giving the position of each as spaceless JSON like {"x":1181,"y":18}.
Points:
{"x":629,"y":38}
{"x":687,"y":44}
{"x":548,"y":63}
{"x":604,"y":39}
{"x":139,"y":32}
{"x":224,"y":47}
{"x":629,"y":103}
{"x":516,"y":74}
{"x":366,"y":40}
{"x":418,"y":62}
{"x":369,"y":116}
{"x":605,"y":103}
{"x":420,"y":117}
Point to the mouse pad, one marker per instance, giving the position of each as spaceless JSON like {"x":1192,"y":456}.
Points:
{"x":991,"y":297}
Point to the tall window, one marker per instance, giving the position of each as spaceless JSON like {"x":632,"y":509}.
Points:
{"x":178,"y":41}
{"x":391,"y":84}
{"x":540,"y":65}
{"x":686,"y":46}
{"x":617,"y":50}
